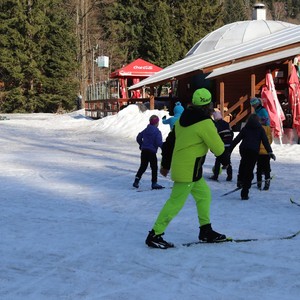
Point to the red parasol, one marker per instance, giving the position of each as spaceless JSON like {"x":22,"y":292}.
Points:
{"x":294,"y":97}
{"x":136,"y":93}
{"x":271,"y":103}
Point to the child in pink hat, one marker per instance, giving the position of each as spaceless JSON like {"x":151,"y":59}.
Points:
{"x":149,"y":140}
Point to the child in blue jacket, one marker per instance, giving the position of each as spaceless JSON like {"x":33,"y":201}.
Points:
{"x":149,"y":140}
{"x":260,"y":110}
{"x":178,"y":110}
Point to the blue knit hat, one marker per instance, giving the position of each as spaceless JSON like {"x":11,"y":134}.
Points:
{"x":178,"y":108}
{"x":254,"y":101}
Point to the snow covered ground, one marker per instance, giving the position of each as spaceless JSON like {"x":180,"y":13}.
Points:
{"x":72,"y":227}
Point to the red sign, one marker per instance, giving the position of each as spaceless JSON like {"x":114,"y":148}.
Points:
{"x":138,"y":68}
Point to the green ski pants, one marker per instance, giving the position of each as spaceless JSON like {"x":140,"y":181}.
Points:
{"x":180,"y":192}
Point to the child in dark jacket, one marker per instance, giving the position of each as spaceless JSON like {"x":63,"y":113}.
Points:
{"x":263,"y":166}
{"x":226,"y":134}
{"x":149,"y":140}
{"x":250,"y":137}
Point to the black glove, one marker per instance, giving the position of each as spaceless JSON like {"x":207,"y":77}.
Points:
{"x":272,"y":155}
{"x":164,"y":172}
{"x":224,"y":159}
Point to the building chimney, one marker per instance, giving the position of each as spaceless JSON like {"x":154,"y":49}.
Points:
{"x":259,"y":12}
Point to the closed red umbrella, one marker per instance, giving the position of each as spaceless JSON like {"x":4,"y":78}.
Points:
{"x":294,"y":97}
{"x":136,"y":93}
{"x":271,"y":103}
{"x":123,"y":88}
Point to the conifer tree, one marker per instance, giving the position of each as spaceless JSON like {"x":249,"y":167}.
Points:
{"x":159,"y":44}
{"x":234,"y":10}
{"x":193,"y":19}
{"x":160,"y":31}
{"x":37,"y":56}
{"x":122,"y":22}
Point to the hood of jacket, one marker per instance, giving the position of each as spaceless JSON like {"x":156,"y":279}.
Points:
{"x":253,"y":122}
{"x":193,"y":115}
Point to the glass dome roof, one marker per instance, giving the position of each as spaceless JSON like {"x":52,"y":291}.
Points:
{"x":237,"y":33}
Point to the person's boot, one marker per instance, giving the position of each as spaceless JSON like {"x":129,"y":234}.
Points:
{"x":259,"y":181}
{"x":259,"y":185}
{"x":207,"y":234}
{"x":244,"y":194}
{"x":229,"y":173}
{"x":136,"y":182}
{"x":267,"y":184}
{"x":213,"y":177}
{"x":229,"y":178}
{"x":156,"y":241}
{"x":156,"y":186}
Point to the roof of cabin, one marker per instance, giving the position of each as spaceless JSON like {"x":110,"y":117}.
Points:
{"x":228,"y":45}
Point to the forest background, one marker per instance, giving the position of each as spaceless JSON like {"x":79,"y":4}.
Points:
{"x":48,"y":48}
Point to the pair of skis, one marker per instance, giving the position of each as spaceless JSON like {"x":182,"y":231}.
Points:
{"x":239,"y":188}
{"x":287,"y":237}
{"x":229,"y":239}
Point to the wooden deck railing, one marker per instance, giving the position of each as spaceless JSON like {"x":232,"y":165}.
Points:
{"x":238,"y":112}
{"x":97,"y":109}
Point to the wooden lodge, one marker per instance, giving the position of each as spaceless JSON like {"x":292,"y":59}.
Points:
{"x":232,"y":62}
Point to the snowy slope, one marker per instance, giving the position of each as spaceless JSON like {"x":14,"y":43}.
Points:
{"x":72,"y":227}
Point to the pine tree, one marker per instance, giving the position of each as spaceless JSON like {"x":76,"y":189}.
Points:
{"x":121,"y":22}
{"x":12,"y":54}
{"x":58,"y":59}
{"x":193,"y":19}
{"x":159,"y":44}
{"x":234,"y":10}
{"x":293,"y":8}
{"x":37,"y":56}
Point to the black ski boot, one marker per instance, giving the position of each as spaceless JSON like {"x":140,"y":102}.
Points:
{"x":207,"y":234}
{"x":156,"y":186}
{"x":267,"y":185}
{"x":156,"y":241}
{"x":229,"y":178}
{"x":136,"y":182}
{"x":229,"y":173}
{"x":213,"y":177}
{"x":259,"y":180}
{"x":259,"y":185}
{"x":244,"y":194}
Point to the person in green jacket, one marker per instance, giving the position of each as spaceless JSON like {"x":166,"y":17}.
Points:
{"x":184,"y":153}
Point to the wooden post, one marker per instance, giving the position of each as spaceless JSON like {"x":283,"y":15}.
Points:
{"x":290,"y":64}
{"x":253,"y":88}
{"x":222,"y":97}
{"x":152,"y":98}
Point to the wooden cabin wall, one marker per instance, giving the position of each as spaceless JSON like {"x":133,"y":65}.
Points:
{"x":237,"y":86}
